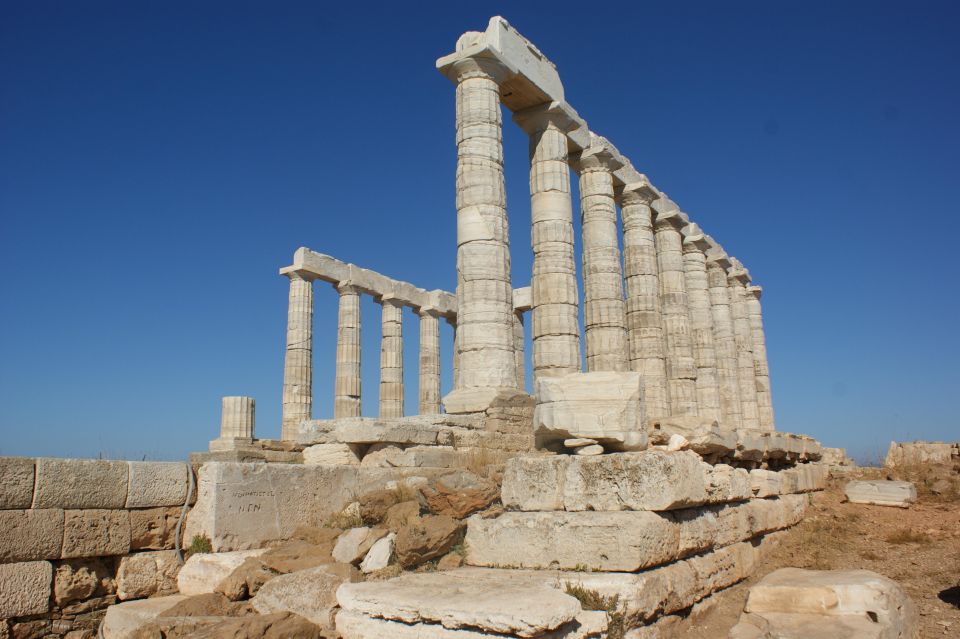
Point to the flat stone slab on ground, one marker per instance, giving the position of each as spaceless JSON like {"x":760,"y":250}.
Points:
{"x":881,"y":493}
{"x":448,"y":600}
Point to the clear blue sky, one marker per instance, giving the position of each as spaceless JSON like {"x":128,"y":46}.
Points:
{"x":159,"y":161}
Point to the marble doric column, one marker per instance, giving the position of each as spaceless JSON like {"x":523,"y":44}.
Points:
{"x":605,"y":331}
{"x":555,"y":313}
{"x":429,"y":361}
{"x":675,"y":310}
{"x":346,"y":400}
{"x":737,"y":279}
{"x":723,"y":338}
{"x":761,"y":368}
{"x":298,"y":361}
{"x":484,"y":292}
{"x":391,"y":358}
{"x":644,"y":324}
{"x":701,"y":321}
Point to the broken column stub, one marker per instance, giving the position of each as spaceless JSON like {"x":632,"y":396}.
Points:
{"x":604,"y":406}
{"x":237,"y":423}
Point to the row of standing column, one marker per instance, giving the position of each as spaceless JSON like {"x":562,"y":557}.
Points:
{"x":695,"y":334}
{"x":298,"y":364}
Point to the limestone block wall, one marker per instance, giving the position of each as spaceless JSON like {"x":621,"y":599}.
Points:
{"x":918,"y":453}
{"x":661,"y":529}
{"x":77,"y":535}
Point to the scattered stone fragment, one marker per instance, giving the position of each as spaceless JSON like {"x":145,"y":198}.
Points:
{"x":578,"y":442}
{"x":309,"y":593}
{"x":246,"y":580}
{"x":203,"y":572}
{"x":379,"y":555}
{"x":426,"y":538}
{"x":401,"y":514}
{"x":459,"y":494}
{"x":593,"y":449}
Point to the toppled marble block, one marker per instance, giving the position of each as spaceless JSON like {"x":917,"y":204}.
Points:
{"x":310,"y":593}
{"x":445,"y":601}
{"x":604,"y":406}
{"x":881,"y":492}
{"x":122,"y":621}
{"x":858,"y":604}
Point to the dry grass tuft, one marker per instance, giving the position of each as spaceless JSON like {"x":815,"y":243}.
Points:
{"x":593,"y":600}
{"x":907,"y":536}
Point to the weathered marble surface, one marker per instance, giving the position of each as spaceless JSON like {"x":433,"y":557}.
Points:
{"x":881,"y":493}
{"x":298,"y":360}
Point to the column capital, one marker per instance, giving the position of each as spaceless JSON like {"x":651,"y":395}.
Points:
{"x":755,"y":291}
{"x":296,"y":273}
{"x":431,"y":311}
{"x":640,"y":192}
{"x":392,"y":300}
{"x":346,"y":287}
{"x":470,"y":67}
{"x":558,"y":115}
{"x":694,"y":239}
{"x":596,"y":158}
{"x":737,"y":273}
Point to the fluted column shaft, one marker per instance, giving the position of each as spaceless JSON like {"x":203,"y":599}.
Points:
{"x":605,"y":330}
{"x":725,"y":346}
{"x":641,"y":274}
{"x":391,"y":359}
{"x":429,"y":387}
{"x":346,"y":400}
{"x":681,"y":369}
{"x":298,"y":360}
{"x":761,"y":368}
{"x":556,"y":324}
{"x":485,"y":291}
{"x":744,"y":339}
{"x":701,"y":324}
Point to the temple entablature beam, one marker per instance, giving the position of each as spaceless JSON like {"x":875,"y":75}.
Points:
{"x":317,"y":266}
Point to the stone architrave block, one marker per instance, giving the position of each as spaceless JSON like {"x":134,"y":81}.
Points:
{"x":247,"y":505}
{"x":95,"y":533}
{"x":155,"y":484}
{"x":647,"y":480}
{"x":881,"y":493}
{"x":604,"y":406}
{"x":202,"y":572}
{"x":145,"y":574}
{"x":25,"y":588}
{"x":27,"y":535}
{"x":80,"y":483}
{"x":617,"y":541}
{"x":16,"y":482}
{"x":827,"y":594}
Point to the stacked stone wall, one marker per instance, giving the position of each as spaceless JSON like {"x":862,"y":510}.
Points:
{"x":77,"y":535}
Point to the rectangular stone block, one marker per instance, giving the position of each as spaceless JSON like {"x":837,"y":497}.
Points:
{"x":80,"y":483}
{"x":153,"y":484}
{"x":26,"y":535}
{"x":147,"y":574}
{"x":16,"y":482}
{"x":881,"y":493}
{"x":25,"y":588}
{"x":647,"y":480}
{"x":95,"y":533}
{"x":153,"y":528}
{"x":246,"y":505}
{"x":605,"y":406}
{"x":615,"y":541}
{"x":727,"y":484}
{"x":368,"y":432}
{"x":765,"y":483}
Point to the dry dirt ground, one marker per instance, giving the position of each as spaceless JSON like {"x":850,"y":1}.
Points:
{"x":918,"y":547}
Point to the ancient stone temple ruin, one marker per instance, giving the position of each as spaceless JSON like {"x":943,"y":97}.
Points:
{"x":652,"y":474}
